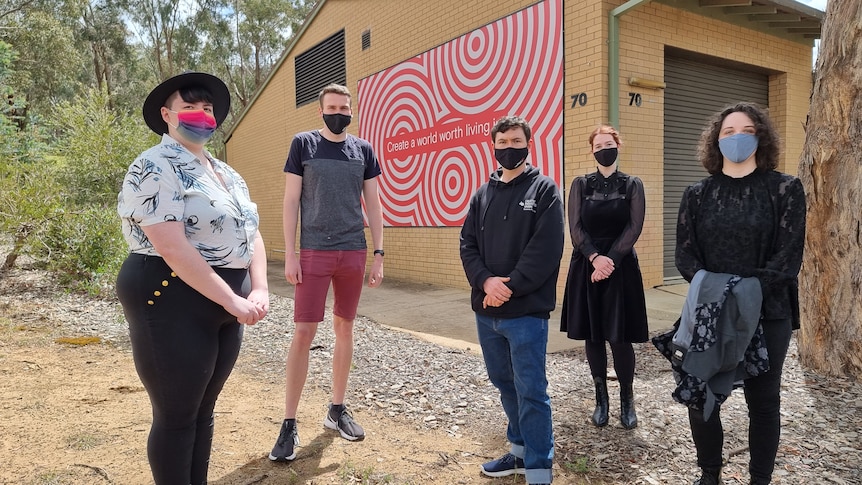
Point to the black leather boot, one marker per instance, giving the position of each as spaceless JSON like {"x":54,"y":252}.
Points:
{"x":627,"y":407}
{"x":600,"y":415}
{"x":710,"y":476}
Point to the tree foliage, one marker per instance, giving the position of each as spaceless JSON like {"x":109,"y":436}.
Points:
{"x":73,"y":74}
{"x":96,"y":145}
{"x":62,"y":209}
{"x":48,"y":65}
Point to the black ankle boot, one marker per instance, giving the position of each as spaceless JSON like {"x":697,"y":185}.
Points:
{"x":710,"y":476}
{"x":627,"y":407}
{"x":600,"y":415}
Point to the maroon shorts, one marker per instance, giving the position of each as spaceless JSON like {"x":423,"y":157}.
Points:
{"x":344,"y":269}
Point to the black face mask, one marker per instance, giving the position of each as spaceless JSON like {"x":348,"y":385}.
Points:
{"x":336,"y":123}
{"x":606,"y":156}
{"x":511,"y":158}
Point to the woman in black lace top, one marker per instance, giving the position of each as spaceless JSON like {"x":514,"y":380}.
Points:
{"x":746,"y":219}
{"x":604,"y":298}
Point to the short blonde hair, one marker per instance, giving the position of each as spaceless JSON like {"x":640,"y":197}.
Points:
{"x":332,"y":88}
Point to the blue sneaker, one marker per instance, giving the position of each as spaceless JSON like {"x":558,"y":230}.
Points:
{"x":506,"y":465}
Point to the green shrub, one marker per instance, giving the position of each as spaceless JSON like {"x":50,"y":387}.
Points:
{"x":97,"y":145}
{"x":61,"y":209}
{"x":29,"y":198}
{"x":84,"y":248}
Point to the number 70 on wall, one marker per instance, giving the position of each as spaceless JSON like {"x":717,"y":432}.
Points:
{"x":580,"y":99}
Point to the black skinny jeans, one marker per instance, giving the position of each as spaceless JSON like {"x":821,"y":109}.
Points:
{"x":184,"y":347}
{"x":763,"y":396}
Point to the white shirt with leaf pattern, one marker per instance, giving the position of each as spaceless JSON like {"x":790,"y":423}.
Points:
{"x":167,"y":183}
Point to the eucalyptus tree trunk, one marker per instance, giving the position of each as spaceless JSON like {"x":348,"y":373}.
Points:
{"x":830,"y":340}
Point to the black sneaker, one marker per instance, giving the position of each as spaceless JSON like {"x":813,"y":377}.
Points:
{"x":506,"y":465}
{"x":287,"y":439}
{"x":340,"y":419}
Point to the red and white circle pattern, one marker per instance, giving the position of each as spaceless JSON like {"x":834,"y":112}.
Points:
{"x":429,"y":117}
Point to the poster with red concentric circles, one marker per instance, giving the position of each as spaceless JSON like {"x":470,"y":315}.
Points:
{"x":429,"y":118}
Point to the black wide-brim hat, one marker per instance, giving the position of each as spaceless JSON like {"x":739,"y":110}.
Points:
{"x":157,"y":97}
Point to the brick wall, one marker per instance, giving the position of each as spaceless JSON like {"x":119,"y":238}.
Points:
{"x":400,"y":30}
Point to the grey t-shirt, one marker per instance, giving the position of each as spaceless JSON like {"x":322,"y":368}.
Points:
{"x":332,"y":178}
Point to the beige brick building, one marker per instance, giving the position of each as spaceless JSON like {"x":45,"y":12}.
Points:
{"x":675,"y":62}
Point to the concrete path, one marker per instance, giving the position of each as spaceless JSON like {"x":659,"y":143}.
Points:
{"x":444,"y":314}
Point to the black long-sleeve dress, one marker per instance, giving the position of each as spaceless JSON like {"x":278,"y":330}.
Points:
{"x":606,"y":216}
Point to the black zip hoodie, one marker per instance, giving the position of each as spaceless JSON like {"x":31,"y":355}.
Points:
{"x":515,"y":230}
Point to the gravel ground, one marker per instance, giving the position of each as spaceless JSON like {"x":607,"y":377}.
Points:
{"x":402,"y":377}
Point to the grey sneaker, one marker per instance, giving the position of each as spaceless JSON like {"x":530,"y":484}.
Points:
{"x":340,"y":419}
{"x":287,"y":440}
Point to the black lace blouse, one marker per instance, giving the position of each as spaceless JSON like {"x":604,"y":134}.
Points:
{"x":749,"y":226}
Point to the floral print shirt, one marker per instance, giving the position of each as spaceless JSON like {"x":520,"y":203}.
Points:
{"x":168,"y":183}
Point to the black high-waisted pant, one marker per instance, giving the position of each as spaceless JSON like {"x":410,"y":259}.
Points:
{"x":184,"y":347}
{"x":763,"y":396}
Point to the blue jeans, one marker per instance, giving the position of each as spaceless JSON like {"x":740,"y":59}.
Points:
{"x":514,"y":351}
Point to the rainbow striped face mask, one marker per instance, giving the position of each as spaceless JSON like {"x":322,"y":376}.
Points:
{"x":196,"y":126}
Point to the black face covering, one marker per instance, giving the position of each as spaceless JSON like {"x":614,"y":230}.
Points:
{"x":606,"y":156}
{"x":511,"y":158}
{"x":336,"y":123}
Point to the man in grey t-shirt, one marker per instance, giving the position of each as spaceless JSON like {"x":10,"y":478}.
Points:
{"x":329,"y":173}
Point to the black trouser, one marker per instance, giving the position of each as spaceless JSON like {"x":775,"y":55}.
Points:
{"x":184,"y":347}
{"x":763,"y":396}
{"x":624,"y":360}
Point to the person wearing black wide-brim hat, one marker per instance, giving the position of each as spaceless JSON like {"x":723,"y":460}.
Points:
{"x":195,"y":274}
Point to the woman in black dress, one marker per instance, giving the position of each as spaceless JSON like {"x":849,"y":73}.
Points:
{"x":746,"y":219}
{"x":604,"y":299}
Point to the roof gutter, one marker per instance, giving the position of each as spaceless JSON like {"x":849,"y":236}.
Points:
{"x":614,"y":58}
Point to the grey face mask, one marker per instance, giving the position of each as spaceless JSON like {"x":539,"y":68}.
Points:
{"x":737,"y":148}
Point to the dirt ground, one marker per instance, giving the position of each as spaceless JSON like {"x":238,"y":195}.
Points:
{"x":72,"y":410}
{"x":77,"y":414}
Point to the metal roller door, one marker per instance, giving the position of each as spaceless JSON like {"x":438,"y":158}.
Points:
{"x":695,"y":90}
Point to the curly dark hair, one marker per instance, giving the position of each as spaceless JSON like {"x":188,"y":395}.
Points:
{"x":768,"y":144}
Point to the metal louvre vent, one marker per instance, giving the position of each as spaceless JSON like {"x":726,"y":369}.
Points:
{"x":366,"y":39}
{"x":323,"y":64}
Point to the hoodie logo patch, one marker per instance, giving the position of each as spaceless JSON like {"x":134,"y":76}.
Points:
{"x":528,"y":205}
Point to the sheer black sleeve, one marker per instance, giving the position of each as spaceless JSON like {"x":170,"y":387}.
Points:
{"x":581,"y":241}
{"x":637,"y":206}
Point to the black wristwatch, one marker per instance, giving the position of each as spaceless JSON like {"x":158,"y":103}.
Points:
{"x":378,"y":251}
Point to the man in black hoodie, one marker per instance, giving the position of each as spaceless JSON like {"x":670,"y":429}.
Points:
{"x":511,"y":245}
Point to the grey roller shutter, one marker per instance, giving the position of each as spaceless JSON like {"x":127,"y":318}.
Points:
{"x":695,"y":90}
